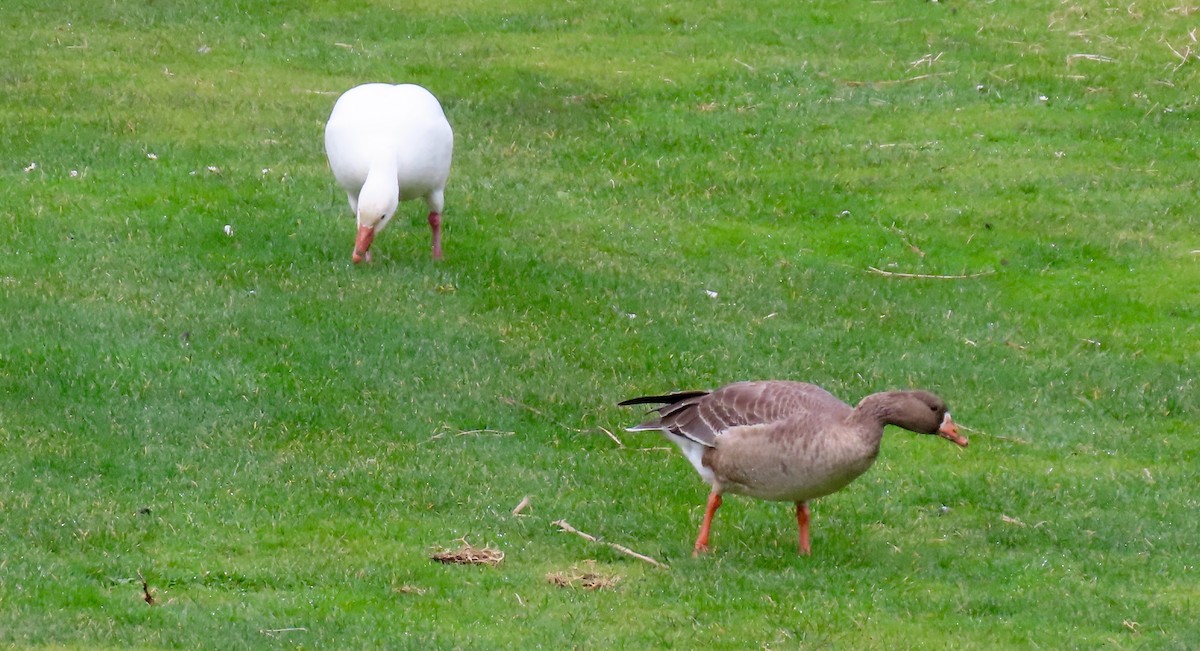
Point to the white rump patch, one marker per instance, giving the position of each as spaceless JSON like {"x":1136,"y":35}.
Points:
{"x":692,"y":450}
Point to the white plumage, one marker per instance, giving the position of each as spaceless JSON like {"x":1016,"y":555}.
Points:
{"x":386,"y":144}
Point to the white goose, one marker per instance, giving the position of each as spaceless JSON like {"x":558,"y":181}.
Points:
{"x":386,"y":144}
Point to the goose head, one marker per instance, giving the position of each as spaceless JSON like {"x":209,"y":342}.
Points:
{"x":377,"y":203}
{"x":923,"y":413}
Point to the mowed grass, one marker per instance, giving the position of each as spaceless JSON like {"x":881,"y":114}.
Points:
{"x":644,"y":198}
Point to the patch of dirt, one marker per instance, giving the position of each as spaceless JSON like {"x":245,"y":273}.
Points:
{"x":409,"y":589}
{"x":468,"y":554}
{"x":587,"y":578}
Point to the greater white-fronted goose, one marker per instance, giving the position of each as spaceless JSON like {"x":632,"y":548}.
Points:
{"x":786,"y":441}
{"x":388,"y":144}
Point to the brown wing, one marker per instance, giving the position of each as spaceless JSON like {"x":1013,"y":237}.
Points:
{"x":702,"y":416}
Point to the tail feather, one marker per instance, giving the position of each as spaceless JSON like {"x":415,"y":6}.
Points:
{"x":676,"y":413}
{"x":668,"y":399}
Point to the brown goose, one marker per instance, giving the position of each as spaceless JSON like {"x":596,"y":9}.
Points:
{"x":786,"y":441}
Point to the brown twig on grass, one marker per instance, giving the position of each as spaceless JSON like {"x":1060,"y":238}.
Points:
{"x":562,"y":524}
{"x":147,"y":596}
{"x":897,"y":274}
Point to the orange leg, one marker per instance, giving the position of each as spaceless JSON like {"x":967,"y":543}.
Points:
{"x":714,"y":502}
{"x":802,"y":522}
{"x":435,"y":224}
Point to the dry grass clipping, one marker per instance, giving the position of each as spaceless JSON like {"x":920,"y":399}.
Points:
{"x":469,"y":554}
{"x":897,"y":274}
{"x":586,"y":578}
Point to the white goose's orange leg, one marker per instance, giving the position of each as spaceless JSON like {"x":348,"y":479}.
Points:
{"x":435,"y":224}
{"x":714,"y":502}
{"x":802,"y":522}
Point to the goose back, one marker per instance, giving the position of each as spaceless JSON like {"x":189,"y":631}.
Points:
{"x":702,"y":416}
{"x":399,"y":128}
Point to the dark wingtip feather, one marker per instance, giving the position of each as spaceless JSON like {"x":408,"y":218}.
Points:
{"x":668,"y":399}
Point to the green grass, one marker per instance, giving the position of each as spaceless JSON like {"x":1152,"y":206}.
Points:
{"x":277,"y":440}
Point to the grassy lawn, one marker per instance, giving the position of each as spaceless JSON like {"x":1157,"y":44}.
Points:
{"x":644,"y":198}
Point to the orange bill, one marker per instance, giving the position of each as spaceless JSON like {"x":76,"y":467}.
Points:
{"x":949,"y":431}
{"x":362,"y":244}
